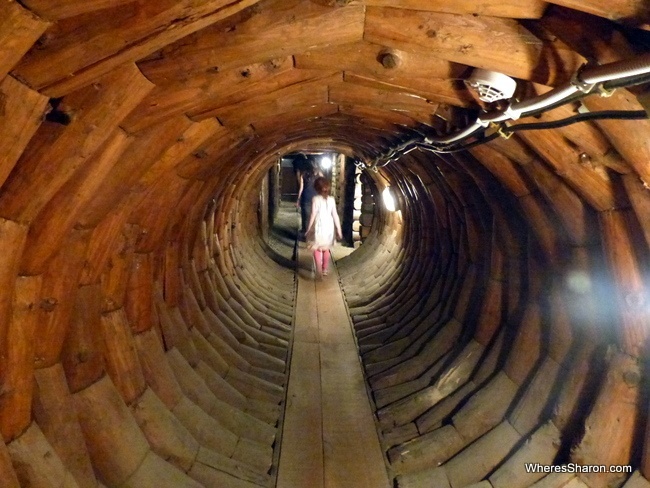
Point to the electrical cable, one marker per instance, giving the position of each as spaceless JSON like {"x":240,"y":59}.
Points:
{"x":601,"y":115}
{"x":587,"y":80}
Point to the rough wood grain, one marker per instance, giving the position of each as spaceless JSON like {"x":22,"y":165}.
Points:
{"x":69,"y":8}
{"x":494,"y":8}
{"x":58,"y":217}
{"x":513,"y":50}
{"x":21,"y":114}
{"x":82,"y":355}
{"x":97,"y":110}
{"x":632,"y":12}
{"x":82,"y":49}
{"x":56,"y":416}
{"x":287,"y":30}
{"x":17,"y":359}
{"x":19,"y":30}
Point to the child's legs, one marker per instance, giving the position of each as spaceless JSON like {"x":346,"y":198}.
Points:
{"x":326,"y":259}
{"x":318,"y":257}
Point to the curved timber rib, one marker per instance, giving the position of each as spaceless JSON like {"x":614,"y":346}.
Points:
{"x":501,"y":313}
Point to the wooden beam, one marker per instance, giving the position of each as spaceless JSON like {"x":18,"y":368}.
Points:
{"x":635,"y":13}
{"x":62,"y":9}
{"x":624,"y":134}
{"x":94,"y":111}
{"x":281,"y":123}
{"x":577,"y":29}
{"x":352,"y":94}
{"x":284,"y":31}
{"x":594,"y":186}
{"x":369,"y":113}
{"x":82,"y":355}
{"x":22,"y":112}
{"x":501,"y":45}
{"x":193,"y":139}
{"x":532,"y":9}
{"x":204,"y":91}
{"x":281,"y":101}
{"x":365,"y":58}
{"x":210,"y":107}
{"x":57,"y":218}
{"x":82,"y":49}
{"x":60,"y":284}
{"x":17,"y":359}
{"x":433,"y":89}
{"x":119,"y":182}
{"x":208,"y":157}
{"x":19,"y":30}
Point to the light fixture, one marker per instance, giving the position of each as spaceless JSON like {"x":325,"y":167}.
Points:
{"x":389,"y":200}
{"x":492,"y":86}
{"x":326,"y":162}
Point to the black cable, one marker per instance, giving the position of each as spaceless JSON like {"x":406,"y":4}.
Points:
{"x":627,"y":82}
{"x":601,"y":115}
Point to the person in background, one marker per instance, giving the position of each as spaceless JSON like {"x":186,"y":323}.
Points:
{"x":324,"y":225}
{"x":306,"y":177}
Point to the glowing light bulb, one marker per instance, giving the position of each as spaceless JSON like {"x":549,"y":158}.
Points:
{"x":326,"y":162}
{"x":389,"y":200}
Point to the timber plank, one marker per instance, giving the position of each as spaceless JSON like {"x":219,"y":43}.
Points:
{"x":633,"y":12}
{"x":97,"y":109}
{"x":62,"y":9}
{"x":284,"y":79}
{"x":7,"y":473}
{"x":190,"y":142}
{"x":123,"y":177}
{"x":37,"y":463}
{"x":19,"y":30}
{"x":512,"y":49}
{"x":17,"y":359}
{"x":206,"y":90}
{"x":435,"y":90}
{"x":364,"y":57}
{"x":58,"y":217}
{"x":275,"y":124}
{"x":278,"y":102}
{"x":21,"y":114}
{"x":82,"y":355}
{"x":55,"y":414}
{"x":624,"y":134}
{"x":122,"y":362}
{"x":115,"y":443}
{"x":352,"y":94}
{"x":12,"y":240}
{"x":532,"y":9}
{"x":84,"y":48}
{"x":286,"y":31}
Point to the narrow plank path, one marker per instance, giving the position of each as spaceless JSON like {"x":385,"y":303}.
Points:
{"x":329,"y":438}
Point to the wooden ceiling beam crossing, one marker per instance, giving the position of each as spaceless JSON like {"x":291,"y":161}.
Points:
{"x":308,"y":26}
{"x":502,"y":45}
{"x":516,"y":9}
{"x":77,"y":51}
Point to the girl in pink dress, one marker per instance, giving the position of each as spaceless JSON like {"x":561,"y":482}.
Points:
{"x":324,"y":225}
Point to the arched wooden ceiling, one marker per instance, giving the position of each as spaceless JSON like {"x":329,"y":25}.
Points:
{"x":124,"y":123}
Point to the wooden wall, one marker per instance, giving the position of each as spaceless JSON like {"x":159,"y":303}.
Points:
{"x":136,"y":302}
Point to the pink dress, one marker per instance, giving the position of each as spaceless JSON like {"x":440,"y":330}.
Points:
{"x":323,"y":224}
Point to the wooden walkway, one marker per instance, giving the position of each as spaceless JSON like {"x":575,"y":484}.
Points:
{"x":329,"y":438}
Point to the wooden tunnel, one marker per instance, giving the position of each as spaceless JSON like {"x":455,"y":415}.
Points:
{"x":501,"y":313}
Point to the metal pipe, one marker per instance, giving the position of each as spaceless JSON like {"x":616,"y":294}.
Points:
{"x":583,"y":83}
